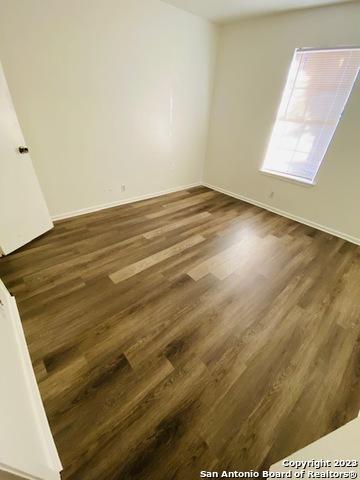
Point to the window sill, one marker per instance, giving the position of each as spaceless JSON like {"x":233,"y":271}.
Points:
{"x":288,"y":178}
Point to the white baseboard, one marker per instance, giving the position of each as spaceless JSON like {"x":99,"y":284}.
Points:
{"x":283,"y":213}
{"x":97,"y":208}
{"x":310,"y":223}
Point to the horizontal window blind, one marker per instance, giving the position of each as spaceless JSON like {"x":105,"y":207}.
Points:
{"x":316,"y":92}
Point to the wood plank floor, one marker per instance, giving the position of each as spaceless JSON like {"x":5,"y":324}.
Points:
{"x":188,"y":332}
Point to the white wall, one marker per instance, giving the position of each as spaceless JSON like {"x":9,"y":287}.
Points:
{"x":107,"y":93}
{"x":341,"y":444}
{"x":253,"y":61}
{"x":8,"y":476}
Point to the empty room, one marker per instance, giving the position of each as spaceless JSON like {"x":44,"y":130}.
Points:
{"x":179,"y":239}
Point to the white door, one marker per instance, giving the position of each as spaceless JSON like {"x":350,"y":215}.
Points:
{"x":23,"y":211}
{"x":27,"y":447}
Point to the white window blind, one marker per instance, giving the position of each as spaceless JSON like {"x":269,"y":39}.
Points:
{"x":316,"y":92}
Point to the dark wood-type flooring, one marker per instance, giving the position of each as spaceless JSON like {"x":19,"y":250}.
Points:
{"x":188,"y":332}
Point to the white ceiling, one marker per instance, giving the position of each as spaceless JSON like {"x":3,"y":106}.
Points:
{"x":225,"y":10}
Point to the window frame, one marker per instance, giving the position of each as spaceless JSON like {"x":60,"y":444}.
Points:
{"x":293,"y":178}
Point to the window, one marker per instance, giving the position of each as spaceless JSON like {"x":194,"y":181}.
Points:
{"x":316,"y":92}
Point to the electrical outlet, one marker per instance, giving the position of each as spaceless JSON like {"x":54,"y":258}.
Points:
{"x":123,"y":187}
